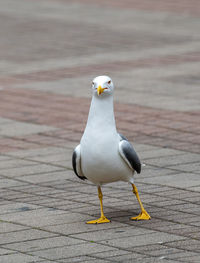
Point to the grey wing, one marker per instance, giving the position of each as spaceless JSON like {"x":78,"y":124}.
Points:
{"x":76,"y":162}
{"x":129,"y":155}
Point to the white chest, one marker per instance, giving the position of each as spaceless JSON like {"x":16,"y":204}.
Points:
{"x":101,"y":161}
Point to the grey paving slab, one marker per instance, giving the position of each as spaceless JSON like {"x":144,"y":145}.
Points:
{"x":45,"y":261}
{"x":18,"y":257}
{"x":111,"y":254}
{"x":47,"y":177}
{"x":23,"y":235}
{"x":27,"y":170}
{"x":43,"y":243}
{"x":5,"y":158}
{"x":75,"y":228}
{"x":191,"y":258}
{"x":190,"y":167}
{"x":21,"y":129}
{"x":149,"y":238}
{"x":76,"y":259}
{"x":180,"y":180}
{"x":64,"y":252}
{"x":31,"y":217}
{"x":5,"y":183}
{"x":174,"y":160}
{"x":110,"y":234}
{"x":10,"y":163}
{"x":42,"y":153}
{"x":191,"y":245}
{"x":129,"y":257}
{"x":10,"y":227}
{"x":4,"y":251}
{"x":17,"y":208}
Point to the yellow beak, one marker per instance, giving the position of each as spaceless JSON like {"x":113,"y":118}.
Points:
{"x":100,"y":90}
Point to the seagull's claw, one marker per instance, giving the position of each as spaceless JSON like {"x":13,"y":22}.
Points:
{"x":142,"y":216}
{"x":100,"y":220}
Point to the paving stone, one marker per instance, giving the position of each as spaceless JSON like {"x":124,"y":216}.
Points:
{"x":46,"y":177}
{"x":27,"y":170}
{"x":75,"y":228}
{"x":182,"y":255}
{"x":5,"y":183}
{"x":23,"y":235}
{"x":192,"y":258}
{"x":15,"y":163}
{"x":113,"y":234}
{"x":174,"y":160}
{"x":111,"y":253}
{"x":182,"y":180}
{"x":45,"y":261}
{"x":10,"y":227}
{"x":97,"y":260}
{"x":190,"y":167}
{"x":32,"y":218}
{"x":64,"y":252}
{"x":128,"y":257}
{"x":17,"y":129}
{"x":18,"y":208}
{"x":190,"y":245}
{"x":19,"y":257}
{"x":149,"y":238}
{"x":43,"y":243}
{"x":76,"y":259}
{"x":4,"y":251}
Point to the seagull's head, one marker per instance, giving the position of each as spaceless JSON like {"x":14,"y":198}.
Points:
{"x":102,"y":86}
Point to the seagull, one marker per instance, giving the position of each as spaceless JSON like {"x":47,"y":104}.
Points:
{"x":104,"y":155}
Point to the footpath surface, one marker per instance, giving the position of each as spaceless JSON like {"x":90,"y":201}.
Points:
{"x":50,"y":51}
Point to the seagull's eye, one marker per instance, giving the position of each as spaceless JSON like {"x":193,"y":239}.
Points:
{"x":109,"y":82}
{"x":92,"y":83}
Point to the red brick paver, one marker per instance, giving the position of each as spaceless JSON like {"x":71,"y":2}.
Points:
{"x":141,"y":124}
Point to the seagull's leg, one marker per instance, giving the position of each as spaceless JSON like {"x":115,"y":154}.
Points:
{"x":102,"y":219}
{"x":143,"y":215}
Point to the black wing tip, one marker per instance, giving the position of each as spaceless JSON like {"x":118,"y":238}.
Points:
{"x":74,"y":167}
{"x":82,"y":177}
{"x":138,"y":169}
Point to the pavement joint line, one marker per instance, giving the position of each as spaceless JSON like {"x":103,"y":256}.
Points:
{"x":27,"y":253}
{"x":95,"y":258}
{"x":147,"y":256}
{"x":14,"y":231}
{"x":25,"y":240}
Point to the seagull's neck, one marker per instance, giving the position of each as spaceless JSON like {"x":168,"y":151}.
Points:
{"x":101,"y":114}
